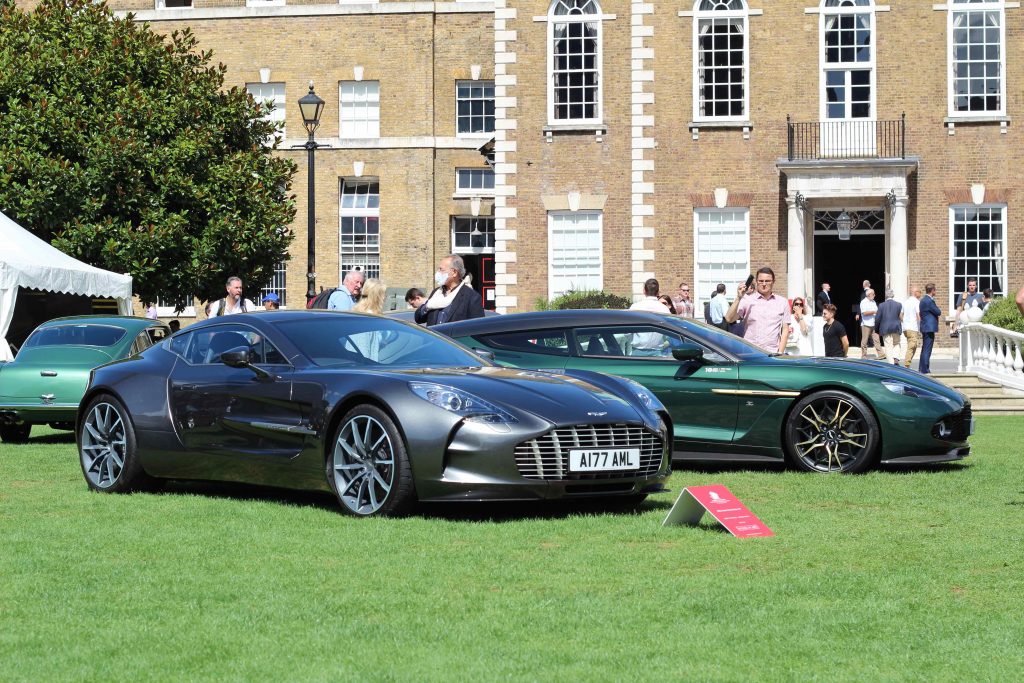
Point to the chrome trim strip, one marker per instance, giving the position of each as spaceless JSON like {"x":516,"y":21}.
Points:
{"x":277,"y":427}
{"x":756,"y":392}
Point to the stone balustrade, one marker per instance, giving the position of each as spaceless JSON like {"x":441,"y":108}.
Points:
{"x":993,"y":353}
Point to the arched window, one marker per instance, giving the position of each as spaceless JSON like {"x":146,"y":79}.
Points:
{"x":977,"y":58}
{"x":721,"y":58}
{"x":574,"y":62}
{"x":848,"y":59}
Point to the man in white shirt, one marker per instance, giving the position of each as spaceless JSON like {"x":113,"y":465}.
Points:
{"x":868,"y":309}
{"x":233,"y":303}
{"x":649,"y":343}
{"x":719,"y":305}
{"x":912,"y":324}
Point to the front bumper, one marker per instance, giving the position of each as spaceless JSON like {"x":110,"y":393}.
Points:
{"x":482,"y":465}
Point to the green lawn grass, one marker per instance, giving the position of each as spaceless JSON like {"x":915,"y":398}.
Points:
{"x":894,"y":575}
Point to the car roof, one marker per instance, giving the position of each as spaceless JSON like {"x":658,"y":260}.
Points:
{"x":125,"y":321}
{"x":549,"y":319}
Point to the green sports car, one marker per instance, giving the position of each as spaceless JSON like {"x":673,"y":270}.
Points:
{"x":731,"y":401}
{"x":46,"y":381}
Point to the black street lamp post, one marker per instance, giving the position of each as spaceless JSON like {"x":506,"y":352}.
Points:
{"x":311,"y":107}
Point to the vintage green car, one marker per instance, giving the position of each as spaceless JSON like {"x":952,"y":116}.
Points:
{"x":46,"y":381}
{"x":731,"y":401}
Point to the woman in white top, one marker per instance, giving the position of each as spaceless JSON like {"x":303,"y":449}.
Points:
{"x":800,"y":328}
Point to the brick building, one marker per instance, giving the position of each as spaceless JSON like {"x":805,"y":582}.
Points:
{"x":690,"y":141}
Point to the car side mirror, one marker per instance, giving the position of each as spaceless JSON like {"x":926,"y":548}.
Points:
{"x":239,"y":358}
{"x":688,"y":352}
{"x":486,"y":355}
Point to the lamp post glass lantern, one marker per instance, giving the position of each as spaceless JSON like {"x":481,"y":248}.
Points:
{"x":844,"y":224}
{"x":311,"y":107}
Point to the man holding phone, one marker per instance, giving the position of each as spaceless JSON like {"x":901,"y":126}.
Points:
{"x":766,"y":315}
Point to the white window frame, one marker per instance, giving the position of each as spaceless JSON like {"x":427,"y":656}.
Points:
{"x":596,"y":19}
{"x":461,"y":191}
{"x":278,"y":285}
{"x":457,"y":249}
{"x":369,"y":122}
{"x":167,"y":311}
{"x":278,"y":113}
{"x":705,"y":16}
{"x":869,"y":9}
{"x":363,"y":256}
{"x":952,"y":254}
{"x":477,"y":83}
{"x":701,"y":287}
{"x":954,"y":8}
{"x":553,"y":218}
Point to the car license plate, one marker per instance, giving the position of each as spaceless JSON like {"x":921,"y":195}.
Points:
{"x":603,"y":459}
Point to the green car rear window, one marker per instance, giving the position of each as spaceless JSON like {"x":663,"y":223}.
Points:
{"x":551,"y":342}
{"x":76,"y":335}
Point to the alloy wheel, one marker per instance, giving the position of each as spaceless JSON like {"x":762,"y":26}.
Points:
{"x":363,"y":465}
{"x":103,"y":445}
{"x":830,"y":434}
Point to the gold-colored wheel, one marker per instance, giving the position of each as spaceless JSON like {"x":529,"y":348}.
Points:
{"x":831,"y":431}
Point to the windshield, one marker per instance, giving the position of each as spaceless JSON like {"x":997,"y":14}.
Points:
{"x":353,"y":340}
{"x":726,"y":341}
{"x":75,"y":335}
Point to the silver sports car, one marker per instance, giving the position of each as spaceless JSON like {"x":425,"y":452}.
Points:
{"x":381,"y":412}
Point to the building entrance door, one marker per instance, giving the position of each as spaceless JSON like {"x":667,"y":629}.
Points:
{"x":845,"y":264}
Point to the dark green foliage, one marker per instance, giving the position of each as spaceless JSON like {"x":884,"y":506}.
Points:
{"x":122,"y":148}
{"x":584,"y":299}
{"x":1003,"y":313}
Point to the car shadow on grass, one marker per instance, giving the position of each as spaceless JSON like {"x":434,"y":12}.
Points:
{"x":469,"y":511}
{"x":54,"y":437}
{"x":249,"y":492}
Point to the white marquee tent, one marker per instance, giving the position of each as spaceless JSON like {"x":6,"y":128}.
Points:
{"x":27,"y":261}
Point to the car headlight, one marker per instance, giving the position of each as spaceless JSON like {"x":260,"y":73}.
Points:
{"x":646,"y":396}
{"x":463,"y":403}
{"x":904,"y":389}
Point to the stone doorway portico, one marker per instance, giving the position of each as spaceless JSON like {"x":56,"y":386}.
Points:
{"x":829,"y":184}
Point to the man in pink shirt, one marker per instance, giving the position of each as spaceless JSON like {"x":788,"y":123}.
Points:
{"x":765,"y":315}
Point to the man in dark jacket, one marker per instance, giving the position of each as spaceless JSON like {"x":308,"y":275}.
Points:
{"x":889,"y":326}
{"x":453,"y":299}
{"x":930,"y":314}
{"x":823,"y":299}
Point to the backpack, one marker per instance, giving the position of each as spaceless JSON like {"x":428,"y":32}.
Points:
{"x":223,"y":303}
{"x":321,"y":299}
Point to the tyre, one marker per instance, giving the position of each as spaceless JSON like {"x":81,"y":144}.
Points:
{"x":106,"y":448}
{"x":832,"y":431}
{"x":15,"y":433}
{"x":368,"y":466}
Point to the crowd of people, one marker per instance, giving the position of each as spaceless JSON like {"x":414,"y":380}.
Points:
{"x":756,"y":313}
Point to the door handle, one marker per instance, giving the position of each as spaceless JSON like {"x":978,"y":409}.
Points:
{"x":188,"y":387}
{"x":47,"y":373}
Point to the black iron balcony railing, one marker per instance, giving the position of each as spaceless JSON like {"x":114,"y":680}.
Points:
{"x":852,"y":139}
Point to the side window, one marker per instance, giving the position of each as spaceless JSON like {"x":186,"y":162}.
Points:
{"x":177,"y":345}
{"x":637,"y":341}
{"x":207,"y":346}
{"x":553,"y":342}
{"x":141,"y":343}
{"x":630,"y":341}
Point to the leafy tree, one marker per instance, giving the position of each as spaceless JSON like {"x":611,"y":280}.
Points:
{"x":122,"y":147}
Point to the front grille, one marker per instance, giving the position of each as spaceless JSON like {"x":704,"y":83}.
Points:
{"x":547,"y":456}
{"x":961,"y":424}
